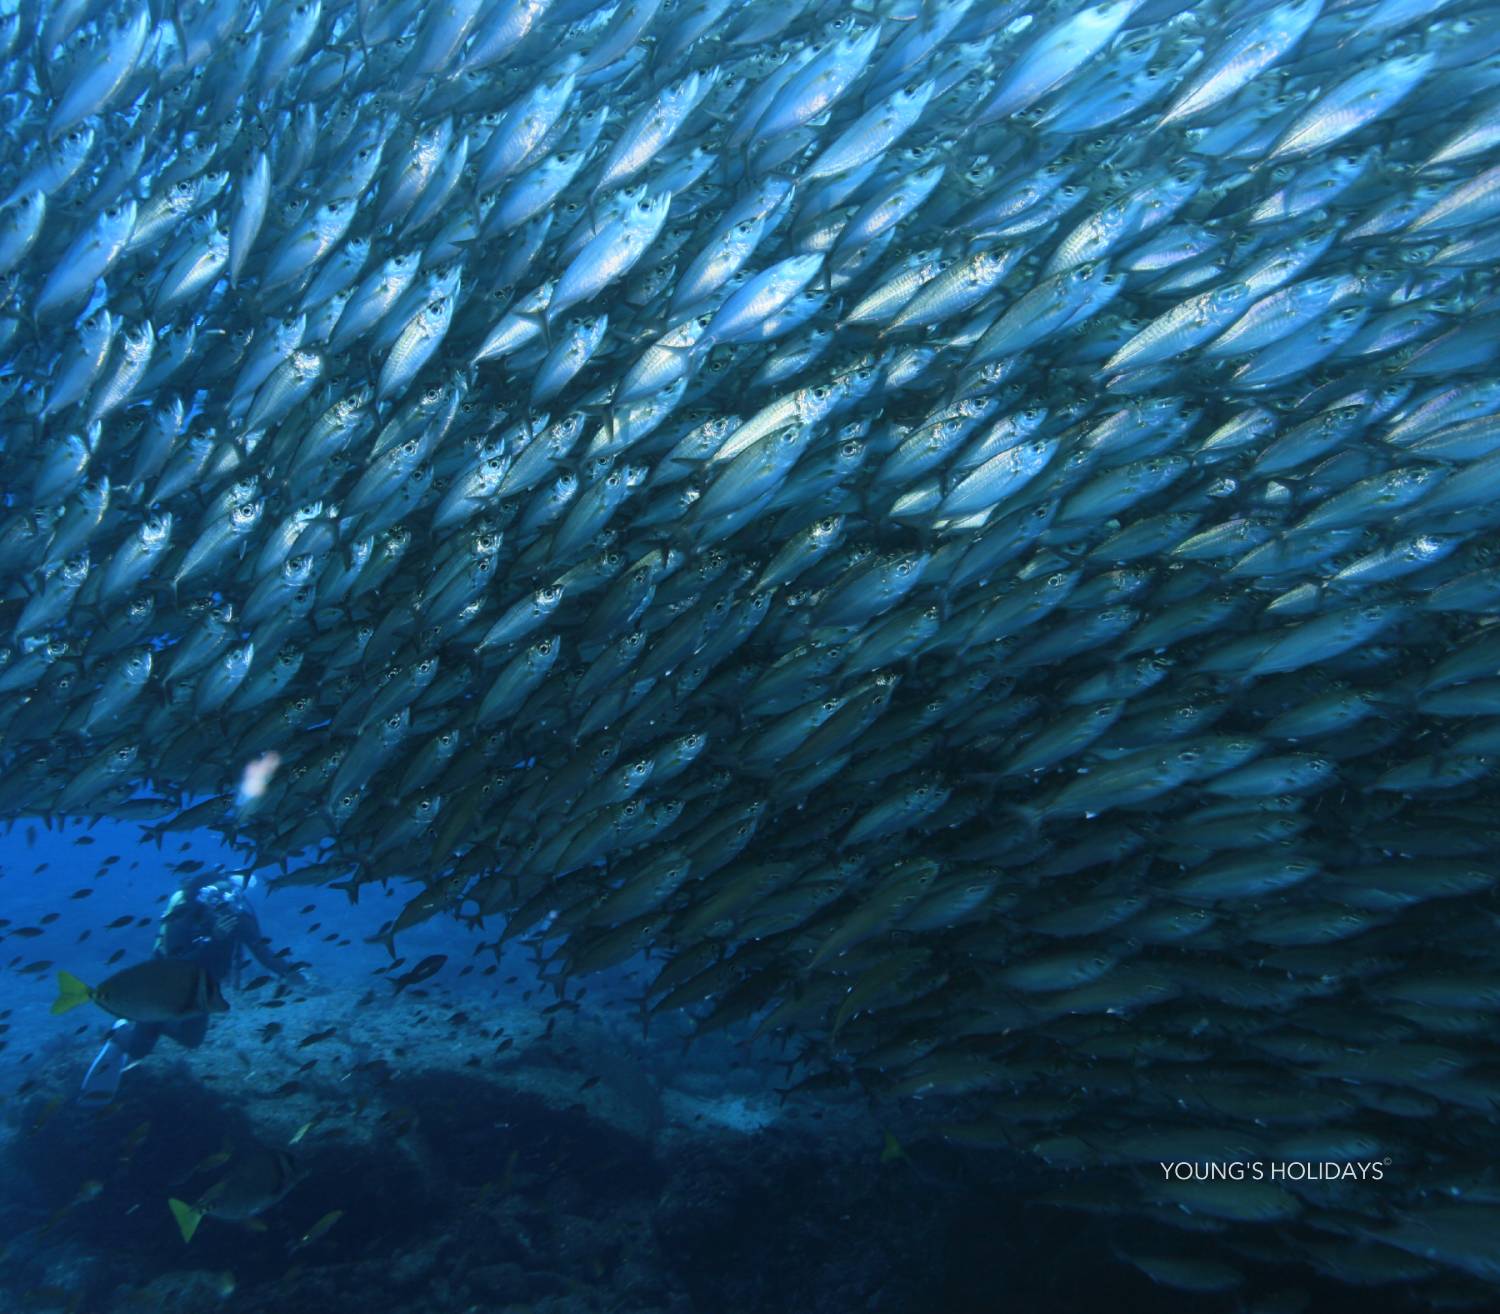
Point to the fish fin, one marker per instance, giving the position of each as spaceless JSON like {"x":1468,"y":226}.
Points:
{"x":187,"y":1218}
{"x":71,"y":992}
{"x":892,"y":1150}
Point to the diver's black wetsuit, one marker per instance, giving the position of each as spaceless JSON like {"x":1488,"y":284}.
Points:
{"x":207,"y":924}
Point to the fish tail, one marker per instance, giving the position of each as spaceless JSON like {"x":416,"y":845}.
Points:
{"x":71,"y":992}
{"x":187,"y":1218}
{"x":349,"y":887}
{"x":893,"y":1150}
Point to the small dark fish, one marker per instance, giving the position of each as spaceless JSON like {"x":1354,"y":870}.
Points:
{"x":428,"y":967}
{"x":210,"y":1161}
{"x":318,"y":1229}
{"x":48,"y":1112}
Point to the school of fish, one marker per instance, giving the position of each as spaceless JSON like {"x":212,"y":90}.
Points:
{"x":964,"y":529}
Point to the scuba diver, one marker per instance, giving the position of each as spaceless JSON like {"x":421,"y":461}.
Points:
{"x":210,"y":922}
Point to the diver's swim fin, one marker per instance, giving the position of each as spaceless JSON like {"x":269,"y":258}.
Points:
{"x":102,"y":1081}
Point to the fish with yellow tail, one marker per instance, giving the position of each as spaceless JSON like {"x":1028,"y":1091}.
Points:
{"x":254,"y":1181}
{"x":158,"y":990}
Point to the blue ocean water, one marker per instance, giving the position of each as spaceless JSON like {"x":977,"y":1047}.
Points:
{"x":889,"y":607}
{"x":477,"y":1148}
